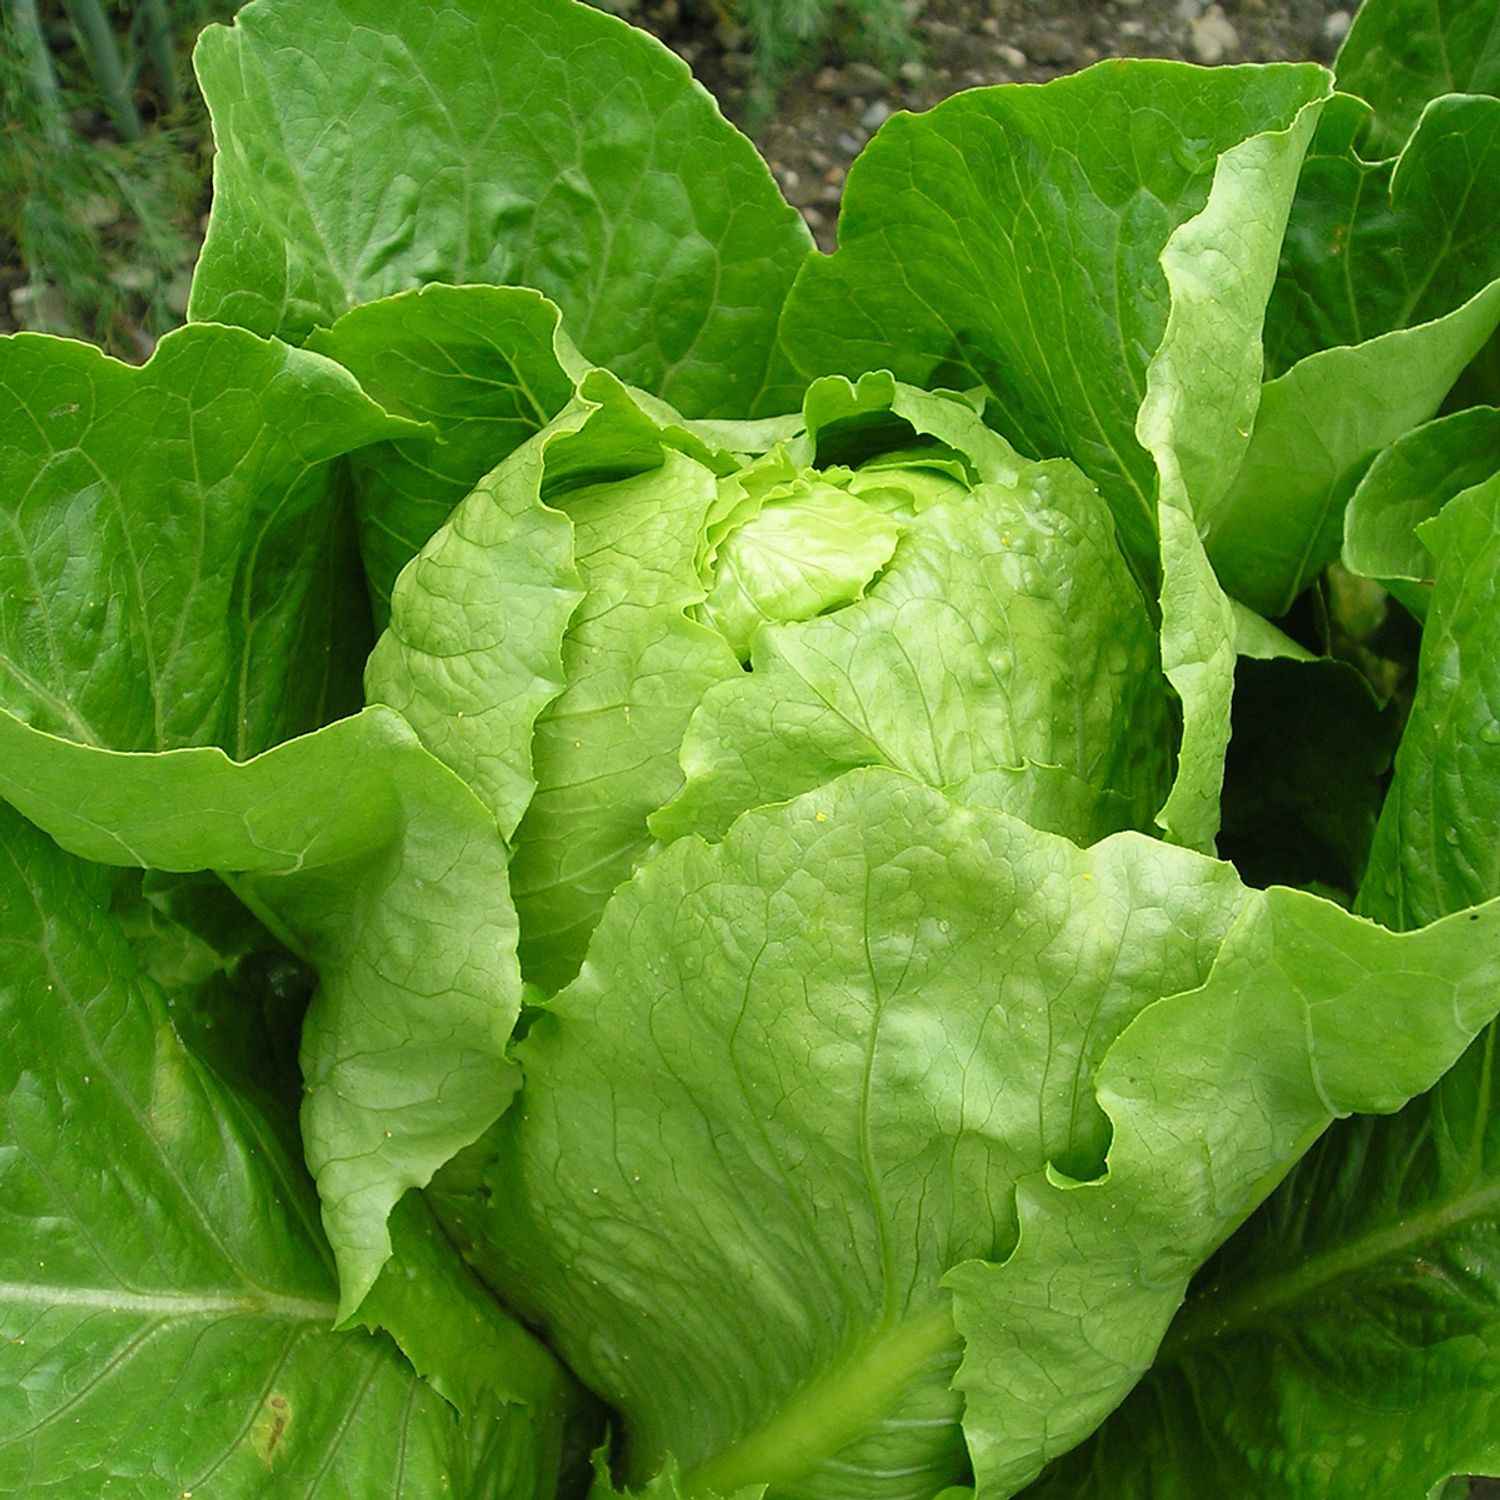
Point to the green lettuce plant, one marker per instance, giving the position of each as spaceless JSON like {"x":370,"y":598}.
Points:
{"x":637,"y":860}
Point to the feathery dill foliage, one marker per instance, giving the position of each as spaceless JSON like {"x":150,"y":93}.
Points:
{"x":103,"y":165}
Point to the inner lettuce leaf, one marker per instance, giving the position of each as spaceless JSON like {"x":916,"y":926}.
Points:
{"x":810,"y":546}
{"x":856,"y":1093}
{"x":542,"y":145}
{"x":984,"y":632}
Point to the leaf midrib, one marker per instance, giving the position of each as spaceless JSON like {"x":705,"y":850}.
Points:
{"x":272,"y":1305}
{"x":1213,"y":1318}
{"x":837,"y":1408}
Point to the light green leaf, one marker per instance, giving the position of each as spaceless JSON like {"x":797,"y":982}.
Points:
{"x":1198,"y":635}
{"x":795,"y":1082}
{"x":810,"y":547}
{"x":178,"y":562}
{"x":792,"y":1094}
{"x":607,"y":506}
{"x":371,"y":146}
{"x":1400,"y":54}
{"x":1006,"y":632}
{"x":378,"y":865}
{"x":1202,"y":388}
{"x":166,"y":1298}
{"x":473,"y":652}
{"x":1343,"y":1343}
{"x":1031,"y":223}
{"x":1435,"y":849}
{"x":483,"y":367}
{"x":1309,"y":1013}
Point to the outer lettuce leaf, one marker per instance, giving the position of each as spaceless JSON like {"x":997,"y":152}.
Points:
{"x":1346,"y":1342}
{"x":1202,"y":387}
{"x":370,"y":146}
{"x":1031,"y":223}
{"x":1395,"y":265}
{"x":159,"y":1239}
{"x":1435,"y":848}
{"x":1343,"y":1343}
{"x":178,"y":568}
{"x":1006,"y":633}
{"x":377,"y":864}
{"x":1408,"y":484}
{"x":1400,"y":54}
{"x":483,"y":367}
{"x":792,"y":1096}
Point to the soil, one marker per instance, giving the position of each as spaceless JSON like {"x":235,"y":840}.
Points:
{"x":824,"y":114}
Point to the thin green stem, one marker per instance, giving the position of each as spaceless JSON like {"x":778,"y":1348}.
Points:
{"x":31,"y":42}
{"x":97,"y":39}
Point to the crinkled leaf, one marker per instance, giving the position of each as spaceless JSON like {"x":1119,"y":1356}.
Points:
{"x":1308,"y":1014}
{"x":165,"y":1294}
{"x":1400,"y":54}
{"x":792,"y":1093}
{"x":809,"y":549}
{"x":1202,"y":388}
{"x":610,"y":506}
{"x":1010,"y":239}
{"x":795,"y":1082}
{"x":178,"y":566}
{"x":473,"y":652}
{"x":367,"y":147}
{"x":1006,"y":632}
{"x":377,"y":864}
{"x":481,"y":366}
{"x":1344,"y":1342}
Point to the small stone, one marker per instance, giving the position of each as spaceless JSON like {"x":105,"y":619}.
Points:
{"x":849,"y":143}
{"x":813,"y":218}
{"x":990,"y":25}
{"x":863,"y":78}
{"x":790,"y":179}
{"x":876,"y":115}
{"x":1189,"y":10}
{"x":1056,"y":48}
{"x":1336,"y":27}
{"x":826,"y":80}
{"x":1213,"y":37}
{"x":1012,"y":58}
{"x":834,"y":176}
{"x":911,"y":72}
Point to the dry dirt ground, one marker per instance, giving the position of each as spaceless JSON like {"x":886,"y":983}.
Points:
{"x":826,"y":112}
